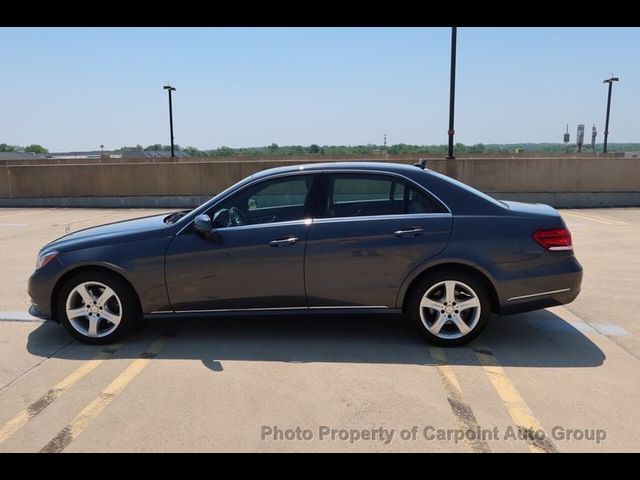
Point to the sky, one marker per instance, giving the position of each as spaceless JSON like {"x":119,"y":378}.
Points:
{"x":77,"y":88}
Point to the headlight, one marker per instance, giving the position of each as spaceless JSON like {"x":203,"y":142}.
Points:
{"x":45,"y":258}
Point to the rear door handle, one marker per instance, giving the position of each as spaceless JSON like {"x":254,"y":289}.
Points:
{"x":283,"y":241}
{"x":410,"y":232}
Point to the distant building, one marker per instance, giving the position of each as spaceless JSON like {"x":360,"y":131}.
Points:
{"x":91,"y":155}
{"x":20,"y":156}
{"x":150,"y":153}
{"x":94,"y":154}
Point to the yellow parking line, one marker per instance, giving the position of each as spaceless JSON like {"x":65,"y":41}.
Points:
{"x":608,"y":219}
{"x":596,"y":218}
{"x":23,"y":417}
{"x":69,"y":433}
{"x":528,"y":426}
{"x":459,"y":406}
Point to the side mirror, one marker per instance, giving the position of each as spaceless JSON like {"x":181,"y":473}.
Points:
{"x":202,"y":224}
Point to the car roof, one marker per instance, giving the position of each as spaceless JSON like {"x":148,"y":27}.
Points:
{"x":375,"y":166}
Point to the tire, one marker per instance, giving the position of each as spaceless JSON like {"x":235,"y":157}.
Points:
{"x":444,"y":324}
{"x":105,"y":307}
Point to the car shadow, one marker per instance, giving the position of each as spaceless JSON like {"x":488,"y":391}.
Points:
{"x":536,"y":339}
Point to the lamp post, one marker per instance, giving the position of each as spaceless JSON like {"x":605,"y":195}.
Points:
{"x":606,"y":125}
{"x":170,"y":89}
{"x":452,"y":90}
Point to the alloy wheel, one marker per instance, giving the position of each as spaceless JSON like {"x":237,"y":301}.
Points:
{"x":450,"y":309}
{"x":93,"y":309}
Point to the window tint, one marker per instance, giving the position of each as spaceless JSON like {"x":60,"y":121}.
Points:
{"x":355,"y":195}
{"x":361,"y":189}
{"x":418,"y":202}
{"x":398,"y":190}
{"x":277,"y":200}
{"x":280,"y":194}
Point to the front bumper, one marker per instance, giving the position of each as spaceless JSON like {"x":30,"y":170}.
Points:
{"x":40,"y":288}
{"x":34,"y":311}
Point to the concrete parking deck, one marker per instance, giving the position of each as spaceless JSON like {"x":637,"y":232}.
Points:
{"x":561,"y":379}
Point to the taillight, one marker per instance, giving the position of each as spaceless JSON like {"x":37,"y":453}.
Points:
{"x":554,"y":239}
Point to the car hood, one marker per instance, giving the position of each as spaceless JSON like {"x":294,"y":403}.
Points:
{"x":126,"y":230}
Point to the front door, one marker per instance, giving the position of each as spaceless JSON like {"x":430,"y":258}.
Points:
{"x":256,"y":258}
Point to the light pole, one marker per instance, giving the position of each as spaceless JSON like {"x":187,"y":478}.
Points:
{"x":452,"y":90}
{"x":170,"y":89}
{"x":606,"y":124}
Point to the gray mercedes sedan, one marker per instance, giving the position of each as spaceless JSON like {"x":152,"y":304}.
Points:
{"x":331,"y":238}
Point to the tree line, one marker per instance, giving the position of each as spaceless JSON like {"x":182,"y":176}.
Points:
{"x":337,"y":150}
{"x":18,"y":149}
{"x":397,"y":149}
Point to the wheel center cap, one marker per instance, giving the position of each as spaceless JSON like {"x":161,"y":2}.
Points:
{"x":94,"y":309}
{"x":449,"y":310}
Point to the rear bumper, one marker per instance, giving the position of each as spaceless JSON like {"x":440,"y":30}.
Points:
{"x":544,"y":291}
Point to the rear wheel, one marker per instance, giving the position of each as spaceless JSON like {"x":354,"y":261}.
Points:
{"x":449,"y":308}
{"x":97,"y":307}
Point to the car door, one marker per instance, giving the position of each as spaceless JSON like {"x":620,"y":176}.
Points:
{"x":371,"y":231}
{"x":254,"y":260}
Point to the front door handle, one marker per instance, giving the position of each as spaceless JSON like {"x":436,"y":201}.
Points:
{"x":283,"y":241}
{"x":410,"y":232}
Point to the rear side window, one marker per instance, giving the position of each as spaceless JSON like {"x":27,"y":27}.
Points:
{"x":357,"y":195}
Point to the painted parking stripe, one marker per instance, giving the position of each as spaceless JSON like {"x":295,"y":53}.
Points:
{"x":605,"y":218}
{"x":18,"y":317}
{"x":459,"y":406}
{"x":607,"y":329}
{"x":596,"y":218}
{"x":94,"y":217}
{"x":69,"y":433}
{"x":22,"y":213}
{"x":518,"y":409}
{"x":25,"y":415}
{"x":584,"y":217}
{"x":610,"y":329}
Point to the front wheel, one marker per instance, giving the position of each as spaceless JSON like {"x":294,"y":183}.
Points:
{"x":449,"y":308}
{"x":96,"y":307}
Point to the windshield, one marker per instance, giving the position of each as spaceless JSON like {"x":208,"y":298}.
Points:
{"x":190,"y":214}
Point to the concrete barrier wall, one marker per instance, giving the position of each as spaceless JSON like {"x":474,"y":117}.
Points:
{"x":552,"y":174}
{"x":174,"y":183}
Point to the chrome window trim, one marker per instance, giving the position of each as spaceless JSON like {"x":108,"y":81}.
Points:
{"x":382,"y":217}
{"x":304,"y":221}
{"x":520,"y":297}
{"x":204,"y":206}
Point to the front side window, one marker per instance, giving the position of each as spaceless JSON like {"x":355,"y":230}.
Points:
{"x":278,"y":200}
{"x":357,"y":195}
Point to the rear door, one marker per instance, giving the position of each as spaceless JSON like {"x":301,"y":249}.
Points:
{"x":371,"y":231}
